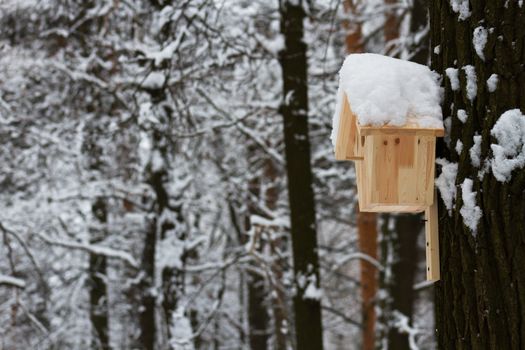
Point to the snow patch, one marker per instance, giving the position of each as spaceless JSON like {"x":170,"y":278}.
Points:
{"x":472,"y":82}
{"x":459,"y":147}
{"x":273,"y":45}
{"x":509,"y":152}
{"x":166,"y":53}
{"x":312,"y":292}
{"x":154,"y":80}
{"x":386,"y":91}
{"x":182,"y":334}
{"x":479,"y":39}
{"x":470,"y":212}
{"x":452,"y":74}
{"x":475,"y":151}
{"x":446,"y":182}
{"x":461,"y":7}
{"x":492,"y":82}
{"x":462,"y":115}
{"x":448,"y":127}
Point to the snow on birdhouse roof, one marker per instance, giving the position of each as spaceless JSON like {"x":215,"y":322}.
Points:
{"x":386,"y":91}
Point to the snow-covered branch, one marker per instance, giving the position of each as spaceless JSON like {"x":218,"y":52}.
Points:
{"x":12,"y":281}
{"x":92,"y":248}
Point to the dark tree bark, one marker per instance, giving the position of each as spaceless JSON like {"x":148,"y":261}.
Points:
{"x":98,"y":303}
{"x":257,"y":312}
{"x":258,"y":317}
{"x":96,"y":282}
{"x":308,"y":322}
{"x":367,"y":232}
{"x":480,"y":300}
{"x":404,"y":246}
{"x":145,"y":288}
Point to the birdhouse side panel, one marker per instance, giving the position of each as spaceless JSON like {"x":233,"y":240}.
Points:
{"x":347,"y":144}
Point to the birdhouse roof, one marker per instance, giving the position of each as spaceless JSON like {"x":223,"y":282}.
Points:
{"x":389,"y":95}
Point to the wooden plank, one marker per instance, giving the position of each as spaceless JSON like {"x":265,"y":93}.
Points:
{"x":347,"y":146}
{"x":343,"y":131}
{"x":432,"y":242}
{"x":410,"y":128}
{"x":353,"y":148}
{"x":423,"y":180}
{"x":392,"y":208}
{"x":392,"y":130}
{"x":430,"y":170}
{"x":385,"y":163}
{"x":408,"y":157}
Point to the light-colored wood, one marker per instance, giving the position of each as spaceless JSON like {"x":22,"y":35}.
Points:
{"x":397,"y":173}
{"x":379,"y":208}
{"x":347,"y":146}
{"x":432,"y":242}
{"x":410,"y":128}
{"x":394,"y":165}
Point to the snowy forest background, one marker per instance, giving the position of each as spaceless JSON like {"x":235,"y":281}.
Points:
{"x":143,"y":177}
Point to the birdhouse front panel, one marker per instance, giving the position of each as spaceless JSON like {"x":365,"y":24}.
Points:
{"x":396,"y":173}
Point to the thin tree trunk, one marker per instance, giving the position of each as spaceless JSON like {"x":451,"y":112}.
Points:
{"x":146,"y":297}
{"x":401,"y":289}
{"x":480,"y":299}
{"x":257,"y":312}
{"x":367,"y":231}
{"x":366,"y":222}
{"x":391,"y":29}
{"x":354,"y":35}
{"x":307,"y":309}
{"x":98,"y":299}
{"x":258,"y":318}
{"x":278,"y":246}
{"x":407,"y":226}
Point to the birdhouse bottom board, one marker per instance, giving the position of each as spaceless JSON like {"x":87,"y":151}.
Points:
{"x":396,"y":173}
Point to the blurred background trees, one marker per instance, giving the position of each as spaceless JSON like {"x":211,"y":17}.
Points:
{"x":167,"y":179}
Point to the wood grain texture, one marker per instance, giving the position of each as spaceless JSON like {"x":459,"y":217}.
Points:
{"x":397,"y":173}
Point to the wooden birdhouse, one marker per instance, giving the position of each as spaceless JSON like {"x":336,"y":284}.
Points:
{"x":394,"y":157}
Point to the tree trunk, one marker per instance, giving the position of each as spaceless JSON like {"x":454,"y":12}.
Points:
{"x":407,"y":226}
{"x":366,"y":222}
{"x":391,"y":29}
{"x":480,"y":299}
{"x":367,"y":231}
{"x":278,"y":246}
{"x":257,"y":312}
{"x":307,"y":308}
{"x":147,"y":283}
{"x":98,"y":311}
{"x":404,"y":246}
{"x":257,"y":290}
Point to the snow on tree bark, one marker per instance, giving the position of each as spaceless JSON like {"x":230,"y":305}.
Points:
{"x":472,"y":313}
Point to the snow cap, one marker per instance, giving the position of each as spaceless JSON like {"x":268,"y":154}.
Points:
{"x":382,"y":90}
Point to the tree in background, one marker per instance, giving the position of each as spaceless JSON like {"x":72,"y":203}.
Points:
{"x":186,"y":111}
{"x":306,"y":301}
{"x":478,"y":49}
{"x":366,"y":222}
